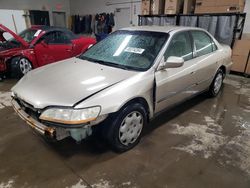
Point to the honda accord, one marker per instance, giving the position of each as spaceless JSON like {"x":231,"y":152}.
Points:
{"x":121,"y":83}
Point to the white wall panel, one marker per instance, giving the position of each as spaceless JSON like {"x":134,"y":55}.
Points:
{"x":47,"y":5}
{"x":7,"y":20}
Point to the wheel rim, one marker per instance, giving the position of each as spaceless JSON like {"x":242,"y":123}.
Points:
{"x":131,"y":128}
{"x":24,"y":65}
{"x":218,"y":83}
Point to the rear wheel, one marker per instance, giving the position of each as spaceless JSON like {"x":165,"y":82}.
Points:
{"x":217,"y":83}
{"x":125,"y":128}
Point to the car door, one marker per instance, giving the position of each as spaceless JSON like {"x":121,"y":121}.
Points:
{"x":206,"y":60}
{"x":176,"y":84}
{"x":52,"y":47}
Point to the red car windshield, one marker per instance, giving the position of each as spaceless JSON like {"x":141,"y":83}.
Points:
{"x":28,"y":35}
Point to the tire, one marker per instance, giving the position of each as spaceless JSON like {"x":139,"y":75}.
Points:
{"x":125,"y":127}
{"x":216,"y":85}
{"x":19,"y":66}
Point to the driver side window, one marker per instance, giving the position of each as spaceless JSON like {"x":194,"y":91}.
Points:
{"x":56,"y":38}
{"x":180,"y":46}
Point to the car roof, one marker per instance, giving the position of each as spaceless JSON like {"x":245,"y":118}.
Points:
{"x":163,"y":29}
{"x":49,"y":28}
{"x":53,"y":28}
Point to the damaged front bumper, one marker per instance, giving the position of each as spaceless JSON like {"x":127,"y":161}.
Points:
{"x":39,"y":127}
{"x":57,"y":133}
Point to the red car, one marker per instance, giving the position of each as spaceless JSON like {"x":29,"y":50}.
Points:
{"x":38,"y":46}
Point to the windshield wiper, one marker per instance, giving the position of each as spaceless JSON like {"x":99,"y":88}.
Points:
{"x":110,"y":64}
{"x":105,"y":63}
{"x":87,"y":58}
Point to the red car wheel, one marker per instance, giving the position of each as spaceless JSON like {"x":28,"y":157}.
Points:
{"x":24,"y":66}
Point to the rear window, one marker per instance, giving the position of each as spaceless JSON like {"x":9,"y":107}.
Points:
{"x":203,"y":43}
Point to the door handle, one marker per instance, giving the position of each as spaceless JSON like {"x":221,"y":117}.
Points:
{"x":68,"y":50}
{"x":193,"y":72}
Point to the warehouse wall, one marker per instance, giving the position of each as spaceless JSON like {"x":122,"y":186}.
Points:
{"x":99,"y":6}
{"x":13,"y":19}
{"x":247,"y":22}
{"x":48,"y":5}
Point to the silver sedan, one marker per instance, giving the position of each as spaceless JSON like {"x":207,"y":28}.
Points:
{"x":121,"y":83}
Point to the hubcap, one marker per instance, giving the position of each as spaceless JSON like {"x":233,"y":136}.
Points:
{"x":218,"y":83}
{"x":24,"y":65}
{"x":131,"y":128}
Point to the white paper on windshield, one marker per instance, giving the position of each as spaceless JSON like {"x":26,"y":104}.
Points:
{"x":134,"y":50}
{"x":37,"y":33}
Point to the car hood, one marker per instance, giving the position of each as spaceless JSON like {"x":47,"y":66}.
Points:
{"x":67,"y":82}
{"x":4,"y":29}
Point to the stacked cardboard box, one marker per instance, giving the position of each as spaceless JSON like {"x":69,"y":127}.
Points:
{"x":189,"y":6}
{"x":154,"y":7}
{"x":157,"y":7}
{"x":240,"y":57}
{"x":173,"y":6}
{"x":145,"y":7}
{"x":246,"y":37}
{"x":248,"y":67}
{"x":219,"y":6}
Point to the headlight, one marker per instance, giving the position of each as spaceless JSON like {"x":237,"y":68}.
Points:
{"x":71,"y":116}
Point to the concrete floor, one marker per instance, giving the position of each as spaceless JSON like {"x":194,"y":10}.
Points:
{"x":201,"y":143}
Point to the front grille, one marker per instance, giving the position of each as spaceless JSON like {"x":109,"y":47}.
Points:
{"x":29,"y":109}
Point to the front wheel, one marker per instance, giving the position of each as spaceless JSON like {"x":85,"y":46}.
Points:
{"x":217,"y":83}
{"x":24,"y":66}
{"x":125,"y":129}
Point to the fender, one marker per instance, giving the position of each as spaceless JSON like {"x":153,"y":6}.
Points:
{"x":121,"y":93}
{"x":27,"y":53}
{"x":30,"y":55}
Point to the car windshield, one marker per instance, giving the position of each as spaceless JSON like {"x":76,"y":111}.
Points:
{"x":28,"y":35}
{"x":132,"y":50}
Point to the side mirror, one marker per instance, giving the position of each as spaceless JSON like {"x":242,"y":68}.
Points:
{"x":172,"y":62}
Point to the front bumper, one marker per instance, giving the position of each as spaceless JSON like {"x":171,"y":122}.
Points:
{"x":39,"y":127}
{"x":56,"y":133}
